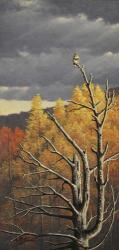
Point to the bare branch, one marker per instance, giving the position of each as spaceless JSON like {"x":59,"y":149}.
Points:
{"x":55,"y":151}
{"x":81,"y":105}
{"x":37,"y":172}
{"x":66,"y":135}
{"x":49,"y":169}
{"x":27,"y":236}
{"x":84,"y":158}
{"x":54,"y":192}
{"x":113,"y":157}
{"x":110,"y":227}
{"x":44,"y":212}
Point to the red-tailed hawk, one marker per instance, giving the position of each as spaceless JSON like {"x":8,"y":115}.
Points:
{"x":76,"y":59}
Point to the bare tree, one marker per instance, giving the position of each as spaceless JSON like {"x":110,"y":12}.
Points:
{"x":82,"y":229}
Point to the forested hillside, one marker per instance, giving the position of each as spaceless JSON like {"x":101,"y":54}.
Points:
{"x":20,"y":120}
{"x":30,"y":131}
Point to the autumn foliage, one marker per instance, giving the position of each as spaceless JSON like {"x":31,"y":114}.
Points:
{"x":76,"y":121}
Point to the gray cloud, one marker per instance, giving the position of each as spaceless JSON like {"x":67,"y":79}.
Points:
{"x":38,"y":38}
{"x":17,"y":5}
{"x":106,"y":9}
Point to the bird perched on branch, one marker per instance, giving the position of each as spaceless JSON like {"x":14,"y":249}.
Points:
{"x":76,"y":59}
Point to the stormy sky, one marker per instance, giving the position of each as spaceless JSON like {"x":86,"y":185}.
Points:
{"x":38,"y":38}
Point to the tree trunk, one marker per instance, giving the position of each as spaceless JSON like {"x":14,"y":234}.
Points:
{"x":83,"y":242}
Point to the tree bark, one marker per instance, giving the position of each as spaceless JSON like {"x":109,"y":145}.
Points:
{"x":83,"y":242}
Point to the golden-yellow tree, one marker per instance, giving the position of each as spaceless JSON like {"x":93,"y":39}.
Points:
{"x":36,"y":125}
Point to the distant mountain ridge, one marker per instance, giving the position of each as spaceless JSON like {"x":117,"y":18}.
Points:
{"x":20,"y":120}
{"x":116,"y":90}
{"x":16,"y":120}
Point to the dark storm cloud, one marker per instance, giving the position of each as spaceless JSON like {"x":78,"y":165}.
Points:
{"x":38,"y":38}
{"x":92,"y":8}
{"x":6,"y":5}
{"x":17,"y":5}
{"x":42,"y":33}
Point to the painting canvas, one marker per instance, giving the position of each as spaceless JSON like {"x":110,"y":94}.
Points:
{"x":59,"y":124}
